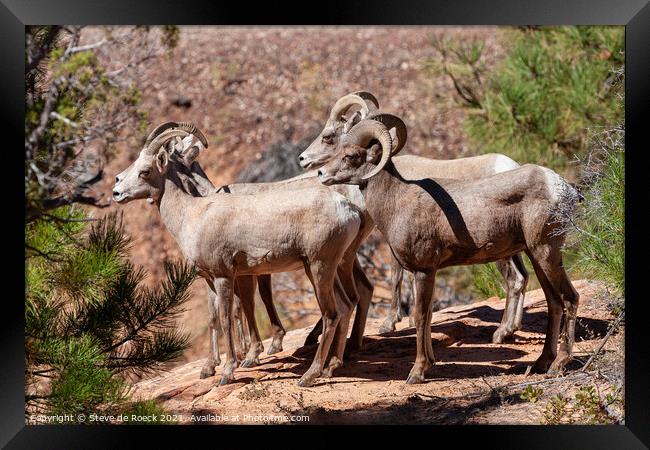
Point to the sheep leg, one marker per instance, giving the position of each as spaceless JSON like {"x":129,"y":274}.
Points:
{"x":213,"y":330}
{"x":395,"y":312}
{"x":364,"y":291}
{"x":570,"y":299}
{"x":407,"y":305}
{"x":346,"y":282}
{"x":223,"y":290}
{"x":344,"y":308}
{"x":237,"y":325}
{"x":549,"y":352}
{"x":246,"y":286}
{"x":277,"y":330}
{"x":321,"y":274}
{"x":424,"y":282}
{"x":520,"y":288}
{"x":507,"y":328}
{"x":516,"y":277}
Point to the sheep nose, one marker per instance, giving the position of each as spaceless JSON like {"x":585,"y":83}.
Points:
{"x":320,"y":173}
{"x":301,"y":158}
{"x":115,"y":193}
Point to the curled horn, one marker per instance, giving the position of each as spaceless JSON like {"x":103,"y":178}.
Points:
{"x":368,"y":97}
{"x":159,"y":129}
{"x":344,"y":103}
{"x":163,"y":138}
{"x":192,"y":129}
{"x":186,"y":126}
{"x":366,"y":131}
{"x":392,"y":121}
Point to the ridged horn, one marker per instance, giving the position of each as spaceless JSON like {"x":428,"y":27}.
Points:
{"x":392,"y":121}
{"x":367,"y":96}
{"x":186,"y":126}
{"x":163,"y":138}
{"x":344,"y":103}
{"x":159,"y":129}
{"x":364,"y":132}
{"x":192,"y":129}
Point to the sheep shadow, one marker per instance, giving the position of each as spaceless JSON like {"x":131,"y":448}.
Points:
{"x":535,"y":322}
{"x":390,"y":356}
{"x":384,"y":358}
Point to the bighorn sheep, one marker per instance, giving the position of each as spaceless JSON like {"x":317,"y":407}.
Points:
{"x":412,"y":167}
{"x":231,"y":235}
{"x":432,"y":224}
{"x":197,"y":182}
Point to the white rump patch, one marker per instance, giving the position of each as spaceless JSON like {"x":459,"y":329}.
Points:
{"x":558,"y":188}
{"x":502,"y":164}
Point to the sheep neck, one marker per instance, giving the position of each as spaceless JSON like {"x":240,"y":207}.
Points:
{"x":380,"y":194}
{"x":175,"y":205}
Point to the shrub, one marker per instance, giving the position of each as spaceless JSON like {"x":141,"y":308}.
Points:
{"x":600,"y":233}
{"x":487,"y":281}
{"x":554,"y":83}
{"x":88,"y":319}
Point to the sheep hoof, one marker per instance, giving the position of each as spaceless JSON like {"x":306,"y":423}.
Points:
{"x":250,"y":362}
{"x":540,"y":366}
{"x":226,"y":379}
{"x":557,"y":367}
{"x":274,"y":348}
{"x":207,"y":372}
{"x":415,"y":379}
{"x":334,"y":364}
{"x":307,"y":380}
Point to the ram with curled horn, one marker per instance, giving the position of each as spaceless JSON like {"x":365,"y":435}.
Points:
{"x":413,"y":167}
{"x":431,"y":224}
{"x":337,"y":123}
{"x":227,"y":236}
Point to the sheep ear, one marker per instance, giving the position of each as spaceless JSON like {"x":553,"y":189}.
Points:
{"x":352,"y":121}
{"x":373,"y":154}
{"x":162,"y":159}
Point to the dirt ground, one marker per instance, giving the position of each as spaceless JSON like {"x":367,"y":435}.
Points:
{"x":465,"y":385}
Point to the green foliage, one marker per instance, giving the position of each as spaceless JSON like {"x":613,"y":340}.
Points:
{"x":587,"y":407}
{"x":601,"y":229}
{"x":557,"y":411}
{"x":487,"y":281}
{"x":531,"y":394}
{"x":554,"y":83}
{"x":88,"y":319}
{"x":82,"y":382}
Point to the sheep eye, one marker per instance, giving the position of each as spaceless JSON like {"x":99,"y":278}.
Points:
{"x":144,"y":173}
{"x":328,"y":140}
{"x":348,"y":157}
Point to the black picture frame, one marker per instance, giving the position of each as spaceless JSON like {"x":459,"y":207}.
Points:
{"x":634,"y":14}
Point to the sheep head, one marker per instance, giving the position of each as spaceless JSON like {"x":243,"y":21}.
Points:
{"x":319,"y":151}
{"x":144,"y":178}
{"x":361,"y":154}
